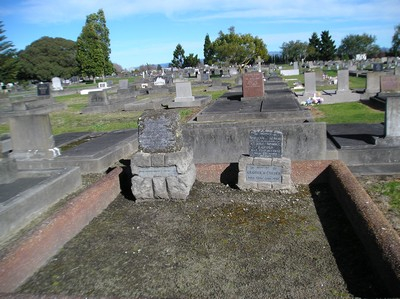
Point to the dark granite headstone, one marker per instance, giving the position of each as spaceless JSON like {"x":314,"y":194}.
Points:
{"x":160,"y":132}
{"x":253,"y":85}
{"x":98,"y":98}
{"x":265,"y":144}
{"x":377,"y":67}
{"x":43,"y":89}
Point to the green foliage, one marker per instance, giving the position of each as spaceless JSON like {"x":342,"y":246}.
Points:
{"x":178,"y":57}
{"x":395,"y":50}
{"x":191,"y":60}
{"x":94,"y":47}
{"x":328,"y":48}
{"x":391,"y":189}
{"x":208,"y":51}
{"x":8,"y":59}
{"x":354,"y":44}
{"x":313,"y":48}
{"x":353,"y":112}
{"x":238,"y":49}
{"x":48,"y":57}
{"x":294,"y":50}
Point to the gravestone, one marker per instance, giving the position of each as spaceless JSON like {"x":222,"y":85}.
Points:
{"x":310,"y":86}
{"x":123,"y":84}
{"x":390,"y":84}
{"x":343,"y":81}
{"x":184,"y":92}
{"x":295,"y":65}
{"x":56,"y":83}
{"x":377,"y":67}
{"x":98,"y":98}
{"x":43,"y":89}
{"x":159,"y":81}
{"x":163,"y":167}
{"x":265,"y":168}
{"x":253,"y":85}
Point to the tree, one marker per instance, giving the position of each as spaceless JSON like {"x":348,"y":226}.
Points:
{"x":178,"y":57}
{"x":294,"y":50}
{"x":8,"y":59}
{"x":313,"y":48}
{"x":48,"y":57}
{"x":191,"y":61}
{"x":208,"y":51}
{"x":238,"y":49}
{"x":354,"y":44}
{"x":395,"y":50}
{"x":94,"y":47}
{"x":328,"y":48}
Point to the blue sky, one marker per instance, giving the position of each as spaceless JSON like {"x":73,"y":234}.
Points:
{"x":148,"y":31}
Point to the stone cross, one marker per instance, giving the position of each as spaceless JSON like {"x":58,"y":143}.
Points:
{"x":259,"y":61}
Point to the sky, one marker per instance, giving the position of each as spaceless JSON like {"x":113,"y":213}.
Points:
{"x":148,"y":31}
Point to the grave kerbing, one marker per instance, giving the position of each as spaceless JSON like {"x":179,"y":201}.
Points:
{"x":265,"y":168}
{"x":162,"y":168}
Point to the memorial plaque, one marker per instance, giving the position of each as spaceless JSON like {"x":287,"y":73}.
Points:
{"x":377,"y":67}
{"x":98,"y":98}
{"x":151,"y":172}
{"x":43,"y":89}
{"x":253,"y":85}
{"x":265,"y":144}
{"x":159,"y":132}
{"x":263,"y":174}
{"x":390,"y":84}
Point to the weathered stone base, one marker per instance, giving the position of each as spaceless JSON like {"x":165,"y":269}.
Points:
{"x":163,"y":175}
{"x":256,"y":173}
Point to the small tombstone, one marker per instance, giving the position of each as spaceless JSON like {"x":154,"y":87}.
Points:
{"x":98,"y":98}
{"x":162,"y":168}
{"x":295,"y":65}
{"x":159,"y":81}
{"x":56,"y":83}
{"x":265,"y":168}
{"x":377,"y":67}
{"x":253,"y":85}
{"x":184,"y":92}
{"x":102,"y":85}
{"x":123,"y":84}
{"x":343,"y":80}
{"x":43,"y":89}
{"x":309,"y":83}
{"x":390,"y":84}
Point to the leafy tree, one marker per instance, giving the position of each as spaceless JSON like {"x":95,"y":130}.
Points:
{"x":294,"y":50}
{"x":48,"y":57}
{"x":208,"y":51}
{"x":395,"y":50}
{"x":328,"y":48}
{"x":178,"y":57}
{"x":8,"y":59}
{"x":191,"y":61}
{"x":94,"y":46}
{"x":313,"y":48}
{"x":238,"y":49}
{"x":354,"y":44}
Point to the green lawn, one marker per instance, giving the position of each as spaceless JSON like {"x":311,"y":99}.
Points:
{"x":354,"y":112}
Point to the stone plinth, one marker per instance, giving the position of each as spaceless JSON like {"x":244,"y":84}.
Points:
{"x":163,"y":175}
{"x":253,"y":85}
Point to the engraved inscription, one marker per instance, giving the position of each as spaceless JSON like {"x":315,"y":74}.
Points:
{"x":390,"y":84}
{"x":150,"y":172}
{"x":259,"y":174}
{"x":265,"y":144}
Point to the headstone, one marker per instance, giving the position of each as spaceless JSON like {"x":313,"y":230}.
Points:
{"x":56,"y":83}
{"x":123,"y":84}
{"x":184,"y":92}
{"x":392,"y":117}
{"x":253,"y":85}
{"x":390,"y":84}
{"x":162,"y":168}
{"x":98,"y":98}
{"x":343,"y":80}
{"x":377,"y":67}
{"x":43,"y":89}
{"x":309,"y":83}
{"x":259,"y":61}
{"x":265,"y":168}
{"x":159,"y":81}
{"x":102,"y":85}
{"x":295,"y":65}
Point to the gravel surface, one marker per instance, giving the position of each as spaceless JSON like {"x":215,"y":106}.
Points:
{"x":219,"y":243}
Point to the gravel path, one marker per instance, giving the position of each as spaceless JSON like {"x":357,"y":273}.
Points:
{"x":219,"y":243}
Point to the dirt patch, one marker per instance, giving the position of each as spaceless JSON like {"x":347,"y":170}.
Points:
{"x":220,"y":242}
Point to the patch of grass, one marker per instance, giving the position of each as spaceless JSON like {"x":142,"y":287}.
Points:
{"x":4,"y":128}
{"x":392,"y":190}
{"x":353,"y":112}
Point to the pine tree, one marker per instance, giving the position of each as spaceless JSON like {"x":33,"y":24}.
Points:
{"x":178,"y":57}
{"x":328,"y":48}
{"x":208,"y":51}
{"x":395,"y":50}
{"x":93,"y":45}
{"x":314,"y":46}
{"x":8,"y":59}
